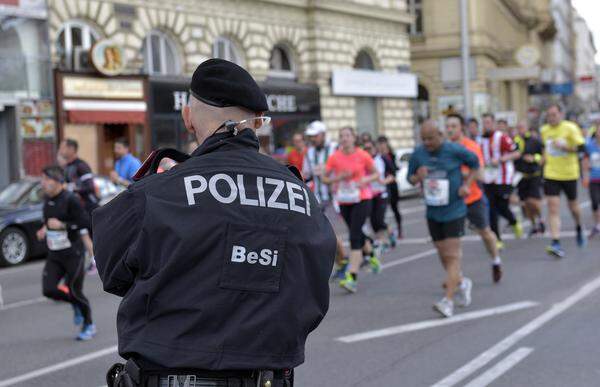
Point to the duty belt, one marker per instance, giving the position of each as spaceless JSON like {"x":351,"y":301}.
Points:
{"x":130,"y":375}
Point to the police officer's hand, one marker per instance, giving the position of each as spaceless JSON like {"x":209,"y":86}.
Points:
{"x":41,"y":233}
{"x":55,"y":224}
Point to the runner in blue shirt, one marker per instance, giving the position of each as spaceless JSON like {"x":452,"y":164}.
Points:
{"x":591,"y":177}
{"x":126,"y":165}
{"x":436,"y":165}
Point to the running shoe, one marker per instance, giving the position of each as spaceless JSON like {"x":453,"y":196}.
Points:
{"x":581,"y":239}
{"x":496,"y":272}
{"x":349,"y":284}
{"x":87,"y":333}
{"x":518,"y":230}
{"x":445,"y":307}
{"x":375,"y":265}
{"x":340,"y":271}
{"x":77,"y":315}
{"x":594,"y":232}
{"x":463,"y":295}
{"x":556,"y":250}
{"x":500,"y":245}
{"x":63,"y":288}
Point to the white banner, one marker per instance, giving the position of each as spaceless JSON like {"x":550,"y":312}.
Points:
{"x":368,"y":83}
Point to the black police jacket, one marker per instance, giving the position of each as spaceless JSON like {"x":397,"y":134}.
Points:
{"x":222,"y":262}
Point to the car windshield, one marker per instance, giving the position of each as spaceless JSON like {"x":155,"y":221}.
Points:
{"x":11,"y":195}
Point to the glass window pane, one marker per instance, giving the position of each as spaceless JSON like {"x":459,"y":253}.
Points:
{"x":171,"y":59}
{"x":155,"y":47}
{"x":76,"y":37}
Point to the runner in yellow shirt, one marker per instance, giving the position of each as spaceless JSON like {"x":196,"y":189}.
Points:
{"x":562,"y":141}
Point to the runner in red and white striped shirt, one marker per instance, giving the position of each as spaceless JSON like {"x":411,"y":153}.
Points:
{"x":499,"y":151}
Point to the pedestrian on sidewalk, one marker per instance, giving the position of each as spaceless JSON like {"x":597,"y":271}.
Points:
{"x":126,"y":164}
{"x":436,"y":166}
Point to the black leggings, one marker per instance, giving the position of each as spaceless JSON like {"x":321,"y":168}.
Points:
{"x":595,"y":195}
{"x":498,"y":196}
{"x":355,"y":216}
{"x":69,"y":264}
{"x":377,"y":217}
{"x":394,"y":197}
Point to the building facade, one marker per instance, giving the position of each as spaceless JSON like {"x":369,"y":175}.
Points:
{"x":296,"y":49}
{"x":586,"y":79}
{"x":507,"y":47}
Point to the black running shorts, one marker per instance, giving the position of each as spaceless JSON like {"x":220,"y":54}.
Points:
{"x":444,"y":230}
{"x":553,"y":188}
{"x":530,"y":187}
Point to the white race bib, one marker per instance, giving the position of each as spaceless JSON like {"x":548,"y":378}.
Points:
{"x":553,"y":150}
{"x":57,"y":240}
{"x":437,"y":192}
{"x":347,"y":193}
{"x":595,"y":160}
{"x":490,"y":173}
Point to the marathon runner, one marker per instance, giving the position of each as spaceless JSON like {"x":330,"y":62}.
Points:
{"x":562,"y":141}
{"x":313,"y":168}
{"x":78,"y":175}
{"x":351,"y":170}
{"x":473,"y":130}
{"x":477,"y":211}
{"x":530,"y":185}
{"x":591,"y":178}
{"x":64,"y":218}
{"x":436,"y":165}
{"x":499,"y":151}
{"x":391,"y":168}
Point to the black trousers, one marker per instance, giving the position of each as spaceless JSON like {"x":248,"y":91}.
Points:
{"x":68,"y":263}
{"x":377,"y":217}
{"x":355,"y":216}
{"x":595,"y":195}
{"x":498,"y":196}
{"x":394,"y":198}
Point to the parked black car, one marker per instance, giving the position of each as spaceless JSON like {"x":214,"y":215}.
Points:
{"x":21,"y":216}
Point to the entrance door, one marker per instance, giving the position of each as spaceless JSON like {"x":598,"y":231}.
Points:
{"x":109,"y":134}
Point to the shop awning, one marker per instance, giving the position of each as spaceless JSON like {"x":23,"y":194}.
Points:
{"x":105,"y":111}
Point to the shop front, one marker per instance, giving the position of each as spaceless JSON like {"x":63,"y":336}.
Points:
{"x":97,"y":110}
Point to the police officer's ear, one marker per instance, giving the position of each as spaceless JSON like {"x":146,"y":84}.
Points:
{"x":258,"y":123}
{"x":186,"y":114}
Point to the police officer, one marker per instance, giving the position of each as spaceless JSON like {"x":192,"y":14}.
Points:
{"x":222,"y":261}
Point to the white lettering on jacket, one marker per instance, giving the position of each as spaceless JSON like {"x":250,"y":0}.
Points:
{"x":224,"y":189}
{"x":265,"y":257}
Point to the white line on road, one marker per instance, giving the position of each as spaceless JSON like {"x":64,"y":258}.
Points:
{"x":437,"y":322}
{"x":501,"y":368}
{"x":410,"y":258}
{"x":58,"y":366}
{"x":19,"y":304}
{"x":487,"y":356}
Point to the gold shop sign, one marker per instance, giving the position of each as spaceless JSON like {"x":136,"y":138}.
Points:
{"x":85,"y":87}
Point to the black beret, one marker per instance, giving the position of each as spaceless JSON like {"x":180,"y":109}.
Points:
{"x":221,"y":83}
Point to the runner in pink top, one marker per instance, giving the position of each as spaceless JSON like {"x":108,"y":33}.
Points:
{"x":351,"y":170}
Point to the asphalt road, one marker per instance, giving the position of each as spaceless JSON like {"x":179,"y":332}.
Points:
{"x":538,"y":327}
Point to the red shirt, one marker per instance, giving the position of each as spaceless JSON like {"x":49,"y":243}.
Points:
{"x":296,"y":158}
{"x":474,"y":147}
{"x":359,"y":163}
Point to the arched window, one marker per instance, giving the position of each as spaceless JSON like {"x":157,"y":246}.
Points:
{"x":160,"y":55}
{"x":75,"y":39}
{"x":224,"y":48}
{"x":280,"y":63}
{"x":365,"y":107}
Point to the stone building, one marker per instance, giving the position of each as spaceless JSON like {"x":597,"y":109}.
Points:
{"x":345,"y":62}
{"x":508,"y":47}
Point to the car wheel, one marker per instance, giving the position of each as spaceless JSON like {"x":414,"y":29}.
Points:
{"x":14,"y":247}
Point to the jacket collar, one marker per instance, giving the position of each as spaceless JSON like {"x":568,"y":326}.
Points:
{"x":245,"y":139}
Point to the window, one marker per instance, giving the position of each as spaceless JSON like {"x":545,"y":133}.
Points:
{"x":75,"y":40}
{"x":280,"y":63}
{"x":364,"y":61}
{"x":365,"y":107}
{"x":160,"y":55}
{"x":415,"y":8}
{"x":224,"y":48}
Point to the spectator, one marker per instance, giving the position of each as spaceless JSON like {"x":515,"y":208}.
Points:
{"x":126,"y":165}
{"x":296,"y":155}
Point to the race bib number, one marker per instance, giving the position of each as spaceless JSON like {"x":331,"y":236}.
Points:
{"x":57,"y":240}
{"x":595,"y":160}
{"x":347,"y":193}
{"x":553,"y":150}
{"x":437,"y":192}
{"x":490,"y":173}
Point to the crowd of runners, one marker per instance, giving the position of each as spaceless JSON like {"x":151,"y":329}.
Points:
{"x":469,"y":175}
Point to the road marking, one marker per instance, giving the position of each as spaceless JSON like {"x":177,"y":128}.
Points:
{"x":12,"y":270}
{"x":58,"y":366}
{"x":501,"y":368}
{"x":19,"y":304}
{"x":410,"y":258}
{"x":487,"y":356}
{"x":437,"y":322}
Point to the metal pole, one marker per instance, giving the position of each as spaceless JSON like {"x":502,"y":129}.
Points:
{"x":464,"y":37}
